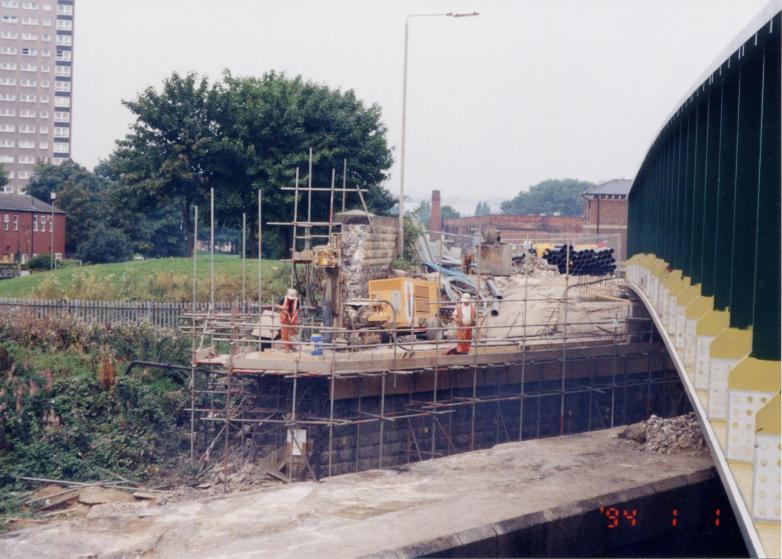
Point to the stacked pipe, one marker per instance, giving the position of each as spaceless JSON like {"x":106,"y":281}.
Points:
{"x":585,"y":262}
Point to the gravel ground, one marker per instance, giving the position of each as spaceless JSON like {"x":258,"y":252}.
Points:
{"x":675,"y":435}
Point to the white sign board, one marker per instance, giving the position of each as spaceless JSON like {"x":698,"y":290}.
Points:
{"x":301,"y":440}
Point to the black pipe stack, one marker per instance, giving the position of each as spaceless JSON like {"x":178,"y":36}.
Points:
{"x":586,"y":262}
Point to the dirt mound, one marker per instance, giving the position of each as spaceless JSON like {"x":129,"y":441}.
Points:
{"x":675,"y":435}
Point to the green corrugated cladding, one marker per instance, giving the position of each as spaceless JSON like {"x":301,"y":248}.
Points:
{"x":707,"y":197}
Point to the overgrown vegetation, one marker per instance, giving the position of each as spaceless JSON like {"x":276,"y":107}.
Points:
{"x":165,"y":279}
{"x":412,"y":230}
{"x":40,"y":262}
{"x":68,"y":410}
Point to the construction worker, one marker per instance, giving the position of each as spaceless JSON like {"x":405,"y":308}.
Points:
{"x":465,"y":317}
{"x":289,"y":318}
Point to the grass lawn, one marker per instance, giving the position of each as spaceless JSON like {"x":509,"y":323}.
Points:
{"x":162,"y":279}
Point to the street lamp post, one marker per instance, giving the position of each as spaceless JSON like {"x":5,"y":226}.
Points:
{"x":401,"y":235}
{"x":53,"y":197}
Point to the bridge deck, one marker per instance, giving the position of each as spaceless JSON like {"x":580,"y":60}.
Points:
{"x":427,"y":507}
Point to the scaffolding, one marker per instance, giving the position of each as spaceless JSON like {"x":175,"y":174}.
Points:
{"x":255,"y":400}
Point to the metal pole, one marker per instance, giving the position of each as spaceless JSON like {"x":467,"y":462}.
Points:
{"x":331,"y":199}
{"x":437,"y":334}
{"x":193,"y":334}
{"x":331,"y":407}
{"x":613,"y":377}
{"x":308,"y":240}
{"x":524,"y":349}
{"x":212,"y":243}
{"x":564,"y":338}
{"x":292,"y":428}
{"x":244,"y":261}
{"x":51,"y":232}
{"x":227,"y":424}
{"x":475,"y":357}
{"x":358,"y":425}
{"x":401,"y":233}
{"x":344,"y":182}
{"x":382,"y":418}
{"x":260,"y":267}
{"x":295,"y":224}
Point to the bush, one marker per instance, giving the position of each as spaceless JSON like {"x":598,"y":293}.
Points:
{"x":105,"y":244}
{"x":125,"y":342}
{"x":71,"y":427}
{"x":68,"y":407}
{"x":412,"y":231}
{"x":40,"y":262}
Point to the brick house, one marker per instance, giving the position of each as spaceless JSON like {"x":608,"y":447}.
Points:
{"x":605,"y":211}
{"x":27,"y":229}
{"x":516,"y":227}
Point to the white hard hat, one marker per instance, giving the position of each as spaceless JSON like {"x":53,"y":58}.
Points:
{"x":466,"y":298}
{"x":292,"y":293}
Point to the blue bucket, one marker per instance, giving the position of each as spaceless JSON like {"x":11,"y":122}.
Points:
{"x":317,"y":344}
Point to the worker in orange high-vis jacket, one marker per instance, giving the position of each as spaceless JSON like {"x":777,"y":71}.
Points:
{"x":465,"y":317}
{"x":289,"y":318}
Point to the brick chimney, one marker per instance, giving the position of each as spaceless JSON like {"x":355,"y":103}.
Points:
{"x":435,"y":221}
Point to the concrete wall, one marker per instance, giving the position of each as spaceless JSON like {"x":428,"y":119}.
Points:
{"x":582,"y":530}
{"x":464,"y":427}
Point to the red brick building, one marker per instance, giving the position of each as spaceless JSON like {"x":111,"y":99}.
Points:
{"x":605,"y":211}
{"x":27,"y":229}
{"x":516,"y":227}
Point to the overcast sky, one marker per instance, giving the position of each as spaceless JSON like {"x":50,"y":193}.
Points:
{"x":529,"y":90}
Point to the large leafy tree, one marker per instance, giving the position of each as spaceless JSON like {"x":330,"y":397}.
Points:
{"x":549,"y":197}
{"x":48,"y":178}
{"x":243,"y":134}
{"x":424,"y":210}
{"x":174,"y":148}
{"x":80,"y":194}
{"x":276,"y":120}
{"x":448,"y":212}
{"x":95,"y":206}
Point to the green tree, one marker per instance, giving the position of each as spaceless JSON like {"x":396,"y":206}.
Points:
{"x":243,"y":134}
{"x":90,"y":199}
{"x":3,"y":175}
{"x":421,"y":214}
{"x":276,"y":120}
{"x":175,"y":145}
{"x":482,"y":209}
{"x":106,"y":244}
{"x":549,"y":197}
{"x":48,"y":178}
{"x":447,"y":212}
{"x":80,"y":194}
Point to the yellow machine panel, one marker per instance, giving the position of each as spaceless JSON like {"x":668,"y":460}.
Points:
{"x":414,"y":300}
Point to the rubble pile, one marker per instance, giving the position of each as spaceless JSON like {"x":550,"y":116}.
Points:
{"x":76,"y":499}
{"x":675,"y":435}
